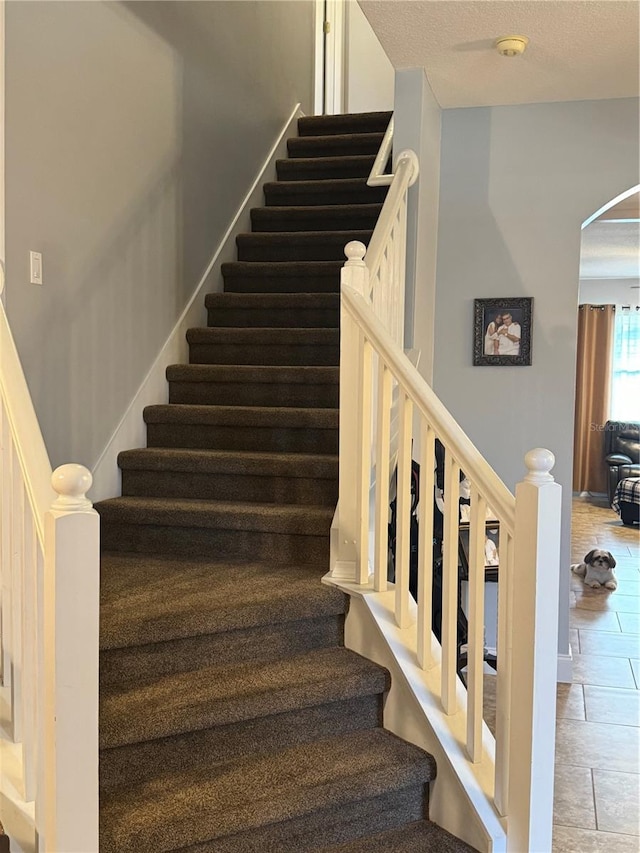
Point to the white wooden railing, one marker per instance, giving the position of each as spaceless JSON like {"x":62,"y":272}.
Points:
{"x":49,"y":600}
{"x":373,"y":368}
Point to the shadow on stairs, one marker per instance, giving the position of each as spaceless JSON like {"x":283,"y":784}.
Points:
{"x":232,"y":718}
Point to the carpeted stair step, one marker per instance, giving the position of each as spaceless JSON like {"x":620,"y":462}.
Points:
{"x":317,"y":168}
{"x":336,"y":145}
{"x":419,"y":837}
{"x":263,"y":346}
{"x":254,"y":385}
{"x":275,"y":310}
{"x":272,"y":430}
{"x":343,"y":191}
{"x":326,"y":217}
{"x":220,"y":695}
{"x":134,"y":763}
{"x":234,"y":476}
{"x":287,"y":797}
{"x":135,"y":609}
{"x":282,"y":612}
{"x":298,"y":245}
{"x":200,"y":528}
{"x":296,"y":277}
{"x":371,"y":122}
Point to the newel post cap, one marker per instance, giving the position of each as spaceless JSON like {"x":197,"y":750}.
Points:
{"x":539,"y":462}
{"x":71,"y":482}
{"x":355,"y":252}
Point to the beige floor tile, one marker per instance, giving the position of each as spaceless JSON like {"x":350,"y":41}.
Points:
{"x":569,"y":839}
{"x":598,"y":620}
{"x":573,"y":803}
{"x":598,"y":745}
{"x":608,"y":643}
{"x":602,"y":600}
{"x":628,"y":587}
{"x":617,"y":796}
{"x":635,"y":666}
{"x":629,"y":623}
{"x":603,"y":670}
{"x":612,"y":705}
{"x":626,"y":572}
{"x":570,"y":704}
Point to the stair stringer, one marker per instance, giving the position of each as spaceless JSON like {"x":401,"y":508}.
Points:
{"x":461,"y":798}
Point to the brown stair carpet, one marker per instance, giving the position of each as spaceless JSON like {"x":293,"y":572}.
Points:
{"x":232,"y":718}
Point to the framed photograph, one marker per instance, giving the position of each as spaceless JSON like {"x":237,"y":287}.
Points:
{"x":491,"y":550}
{"x":502,"y":331}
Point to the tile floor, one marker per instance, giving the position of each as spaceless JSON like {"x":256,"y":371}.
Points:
{"x":597,"y":783}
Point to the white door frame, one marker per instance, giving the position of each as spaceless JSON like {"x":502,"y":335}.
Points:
{"x":2,"y":257}
{"x":329,"y":60}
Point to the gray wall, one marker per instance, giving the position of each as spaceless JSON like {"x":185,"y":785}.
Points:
{"x":612,"y":291}
{"x":417,"y":126}
{"x":516,"y":184}
{"x":133,"y":134}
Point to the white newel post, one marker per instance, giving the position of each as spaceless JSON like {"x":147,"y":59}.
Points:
{"x":71,"y":621}
{"x":534,"y":629}
{"x":344,"y":565}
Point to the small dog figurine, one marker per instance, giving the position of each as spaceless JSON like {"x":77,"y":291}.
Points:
{"x":597,"y":569}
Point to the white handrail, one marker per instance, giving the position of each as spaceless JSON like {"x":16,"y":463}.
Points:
{"x":49,"y":595}
{"x":378,"y":177}
{"x":469,"y":458}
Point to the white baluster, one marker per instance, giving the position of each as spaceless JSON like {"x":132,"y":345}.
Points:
{"x":17,"y":597}
{"x":71,"y":647}
{"x":6,"y":485}
{"x":503,"y":679}
{"x":383,"y":444}
{"x":475,"y":638}
{"x":450,"y":583}
{"x":534,"y":657}
{"x":30,"y":549}
{"x":425,"y":544}
{"x":403,"y":513}
{"x":365,"y":415}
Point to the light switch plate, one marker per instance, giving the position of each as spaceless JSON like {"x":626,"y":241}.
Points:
{"x":35,"y":259}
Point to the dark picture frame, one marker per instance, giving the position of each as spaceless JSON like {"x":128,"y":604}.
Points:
{"x":492,"y":532}
{"x":493,"y":345}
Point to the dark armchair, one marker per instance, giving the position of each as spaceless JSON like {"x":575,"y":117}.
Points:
{"x":622,"y":452}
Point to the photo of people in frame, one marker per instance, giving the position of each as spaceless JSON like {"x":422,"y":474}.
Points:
{"x":502,"y":331}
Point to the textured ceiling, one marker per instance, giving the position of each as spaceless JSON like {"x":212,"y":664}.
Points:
{"x":578,"y":49}
{"x":611,"y":243}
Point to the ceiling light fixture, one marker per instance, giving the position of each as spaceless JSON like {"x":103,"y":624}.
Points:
{"x":511,"y":45}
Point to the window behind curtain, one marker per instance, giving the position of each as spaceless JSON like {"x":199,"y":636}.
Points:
{"x":625,"y":380}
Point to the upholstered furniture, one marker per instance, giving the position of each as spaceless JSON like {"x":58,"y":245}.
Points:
{"x":626,"y":500}
{"x":622,"y":453}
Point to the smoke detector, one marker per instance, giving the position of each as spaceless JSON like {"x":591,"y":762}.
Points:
{"x":511,"y":45}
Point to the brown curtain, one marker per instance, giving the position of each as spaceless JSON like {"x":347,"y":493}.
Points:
{"x":593,"y":378}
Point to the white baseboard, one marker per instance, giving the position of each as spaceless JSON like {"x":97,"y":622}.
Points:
{"x":565,"y":668}
{"x":131,"y":431}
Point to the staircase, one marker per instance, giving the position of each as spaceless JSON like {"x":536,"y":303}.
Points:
{"x":232,"y":718}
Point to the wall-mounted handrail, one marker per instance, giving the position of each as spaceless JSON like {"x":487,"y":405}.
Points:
{"x":378,"y":177}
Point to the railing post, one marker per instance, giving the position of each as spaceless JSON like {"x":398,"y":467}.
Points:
{"x":346,"y":557}
{"x":71,"y":619}
{"x":534,"y":626}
